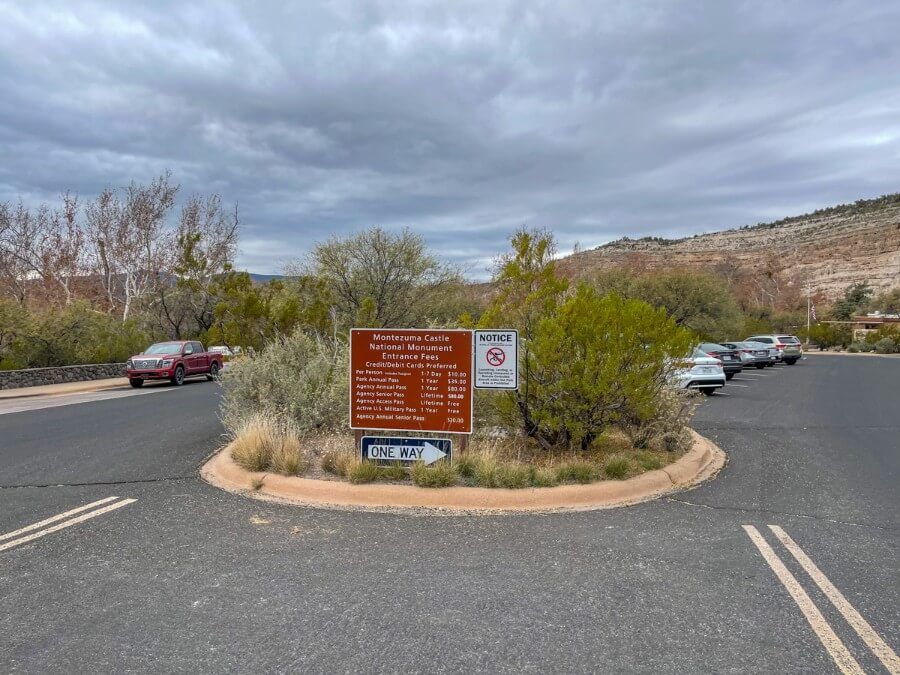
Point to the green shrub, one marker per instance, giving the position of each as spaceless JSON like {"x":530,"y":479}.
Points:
{"x":512,"y":475}
{"x":300,"y":378}
{"x":439,"y":474}
{"x":886,"y":346}
{"x":577,"y":472}
{"x":853,"y":348}
{"x":594,"y":362}
{"x":617,"y":468}
{"x":362,"y":472}
{"x":395,"y":471}
{"x":865,"y":347}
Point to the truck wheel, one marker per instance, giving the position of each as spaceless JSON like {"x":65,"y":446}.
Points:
{"x":136,"y":382}
{"x":178,"y":379}
{"x":213,"y":371}
{"x":790,"y":362}
{"x":728,"y":376}
{"x":760,"y":366}
{"x":709,"y":391}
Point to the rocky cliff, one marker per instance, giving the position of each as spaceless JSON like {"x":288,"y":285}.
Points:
{"x":828,"y":249}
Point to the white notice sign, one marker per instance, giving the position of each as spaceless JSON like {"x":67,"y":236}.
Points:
{"x":496,"y":359}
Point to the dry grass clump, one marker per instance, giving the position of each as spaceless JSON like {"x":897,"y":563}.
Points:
{"x":439,"y":474}
{"x":578,"y":471}
{"x":265,"y":444}
{"x":649,"y":461}
{"x":362,"y":471}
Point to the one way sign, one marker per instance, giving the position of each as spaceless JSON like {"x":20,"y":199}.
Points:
{"x":385,"y":450}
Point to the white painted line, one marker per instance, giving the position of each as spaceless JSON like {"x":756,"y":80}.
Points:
{"x":878,"y":646}
{"x":53,"y":519}
{"x":732,"y":384}
{"x":829,"y":639}
{"x":66,"y":523}
{"x":17,"y":405}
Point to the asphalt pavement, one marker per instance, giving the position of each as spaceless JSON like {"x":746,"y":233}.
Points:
{"x":188,"y":578}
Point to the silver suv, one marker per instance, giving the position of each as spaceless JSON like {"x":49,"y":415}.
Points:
{"x":787,"y":347}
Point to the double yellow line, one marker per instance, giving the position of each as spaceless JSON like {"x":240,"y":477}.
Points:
{"x":829,"y":639}
{"x":62,"y":521}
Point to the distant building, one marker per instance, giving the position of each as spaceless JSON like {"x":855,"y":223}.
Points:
{"x":867,"y":323}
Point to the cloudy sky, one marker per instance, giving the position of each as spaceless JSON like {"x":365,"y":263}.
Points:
{"x":461,"y":120}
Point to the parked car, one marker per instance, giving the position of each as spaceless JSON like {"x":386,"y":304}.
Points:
{"x":753,"y":354}
{"x":700,"y":371}
{"x":228,"y":353}
{"x":788,"y":348}
{"x":730,"y":358}
{"x":173,"y":361}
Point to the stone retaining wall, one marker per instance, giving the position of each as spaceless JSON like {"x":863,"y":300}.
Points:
{"x":34,"y":377}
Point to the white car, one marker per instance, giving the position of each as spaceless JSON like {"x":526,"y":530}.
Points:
{"x":702,"y":372}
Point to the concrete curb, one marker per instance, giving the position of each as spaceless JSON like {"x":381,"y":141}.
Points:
{"x":703,"y":461}
{"x":64,"y":388}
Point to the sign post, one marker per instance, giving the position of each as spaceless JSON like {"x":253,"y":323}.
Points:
{"x":387,"y":450}
{"x":496,"y":359}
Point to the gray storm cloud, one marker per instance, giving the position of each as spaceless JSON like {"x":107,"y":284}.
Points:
{"x":459,"y":120}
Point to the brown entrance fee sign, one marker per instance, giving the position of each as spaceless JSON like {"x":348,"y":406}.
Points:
{"x":409,"y":379}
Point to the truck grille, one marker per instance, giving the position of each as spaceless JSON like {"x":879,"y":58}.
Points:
{"x":143,"y":364}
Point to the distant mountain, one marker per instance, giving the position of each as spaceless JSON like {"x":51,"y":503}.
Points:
{"x":264,"y":278}
{"x":829,"y":249}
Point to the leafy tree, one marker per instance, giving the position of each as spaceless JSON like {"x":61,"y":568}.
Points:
{"x":854,"y":301}
{"x":527,"y":291}
{"x":379,"y":279}
{"x":699,"y":302}
{"x":826,"y":335}
{"x":887,"y":302}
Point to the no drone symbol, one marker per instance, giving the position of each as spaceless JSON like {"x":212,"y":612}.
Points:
{"x":495,"y":356}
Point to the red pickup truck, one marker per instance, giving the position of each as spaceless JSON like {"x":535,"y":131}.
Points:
{"x":172,"y":361}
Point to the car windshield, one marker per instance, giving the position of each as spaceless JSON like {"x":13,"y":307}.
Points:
{"x":163,"y":348}
{"x":700,"y":354}
{"x":788,"y":338}
{"x":711,"y":347}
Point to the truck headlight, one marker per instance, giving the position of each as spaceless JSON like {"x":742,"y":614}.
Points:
{"x":129,"y":364}
{"x":166,"y":363}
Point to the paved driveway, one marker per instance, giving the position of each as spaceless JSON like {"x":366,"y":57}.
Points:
{"x":189,"y":578}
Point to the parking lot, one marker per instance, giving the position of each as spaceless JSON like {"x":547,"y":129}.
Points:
{"x":737,"y":575}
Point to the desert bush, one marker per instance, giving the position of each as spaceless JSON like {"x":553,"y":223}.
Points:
{"x":676,"y":441}
{"x":301,"y":379}
{"x":672,"y":413}
{"x":886,"y":346}
{"x":617,"y":468}
{"x":865,"y":347}
{"x":596,"y":361}
{"x":853,"y":348}
{"x":439,"y":474}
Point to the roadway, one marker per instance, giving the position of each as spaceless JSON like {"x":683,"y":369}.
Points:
{"x":190,"y":578}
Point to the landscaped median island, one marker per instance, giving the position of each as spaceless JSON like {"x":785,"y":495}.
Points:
{"x":571,"y":406}
{"x":583,"y":488}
